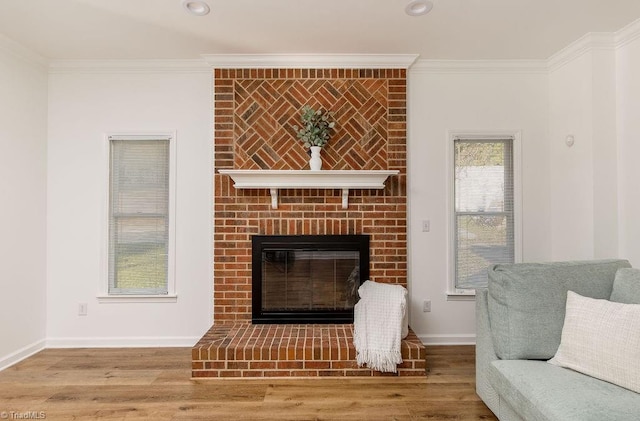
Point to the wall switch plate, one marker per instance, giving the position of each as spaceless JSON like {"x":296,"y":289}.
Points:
{"x":426,"y":306}
{"x":82,"y":309}
{"x":426,"y":225}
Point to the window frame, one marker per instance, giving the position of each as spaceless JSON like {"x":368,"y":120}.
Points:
{"x":103,"y":292}
{"x":453,"y":293}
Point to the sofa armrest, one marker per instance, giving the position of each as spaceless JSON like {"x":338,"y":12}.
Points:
{"x":485,"y":353}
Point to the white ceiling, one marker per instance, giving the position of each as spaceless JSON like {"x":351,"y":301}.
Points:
{"x":161,"y":29}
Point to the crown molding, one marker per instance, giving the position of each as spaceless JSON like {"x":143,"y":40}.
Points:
{"x":603,"y":41}
{"x":628,"y":34}
{"x":18,"y":51}
{"x":310,"y":61}
{"x":129,"y":66}
{"x":479,"y":66}
{"x":588,"y":42}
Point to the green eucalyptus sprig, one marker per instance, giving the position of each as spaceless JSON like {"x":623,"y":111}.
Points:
{"x":316,"y":127}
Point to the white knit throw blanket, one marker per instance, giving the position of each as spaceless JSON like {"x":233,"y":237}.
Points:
{"x":377,"y":326}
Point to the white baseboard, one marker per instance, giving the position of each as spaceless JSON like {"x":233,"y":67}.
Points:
{"x":21,"y":354}
{"x":448,"y":339}
{"x":127,"y":342}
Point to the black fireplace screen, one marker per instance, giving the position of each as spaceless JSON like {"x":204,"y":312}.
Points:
{"x":307,"y":279}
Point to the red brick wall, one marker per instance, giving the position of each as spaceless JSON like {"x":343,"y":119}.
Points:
{"x":254,"y":113}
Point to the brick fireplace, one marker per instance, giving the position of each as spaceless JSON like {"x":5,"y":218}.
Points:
{"x":255,"y":110}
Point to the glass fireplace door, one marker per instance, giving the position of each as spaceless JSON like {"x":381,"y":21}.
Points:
{"x":302,"y":281}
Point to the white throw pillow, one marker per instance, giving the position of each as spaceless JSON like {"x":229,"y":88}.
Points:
{"x":601,"y":338}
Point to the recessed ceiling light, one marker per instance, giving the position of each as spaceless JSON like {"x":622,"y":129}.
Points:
{"x":418,"y":7}
{"x":196,"y":7}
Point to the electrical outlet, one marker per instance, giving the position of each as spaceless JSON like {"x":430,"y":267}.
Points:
{"x":426,"y":225}
{"x":426,"y":306}
{"x":82,"y":309}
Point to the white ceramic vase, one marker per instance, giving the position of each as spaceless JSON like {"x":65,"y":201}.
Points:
{"x":315,"y":163}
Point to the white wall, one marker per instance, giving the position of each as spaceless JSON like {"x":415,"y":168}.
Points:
{"x":84,"y":103}
{"x":570,"y":93}
{"x":484,"y":99}
{"x":628,"y":124}
{"x":605,"y":157}
{"x":23,"y":135}
{"x":584,"y":176}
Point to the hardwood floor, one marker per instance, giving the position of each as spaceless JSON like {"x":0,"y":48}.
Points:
{"x":155,"y":384}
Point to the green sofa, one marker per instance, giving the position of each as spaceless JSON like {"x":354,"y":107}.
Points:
{"x":519,"y":320}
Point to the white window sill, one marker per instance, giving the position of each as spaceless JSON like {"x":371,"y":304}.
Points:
{"x":137,"y":298}
{"x":462,"y":295}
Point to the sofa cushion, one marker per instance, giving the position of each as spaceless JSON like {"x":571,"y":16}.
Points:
{"x":527,"y":302}
{"x":601,"y":338}
{"x":626,"y":286}
{"x":539,"y":391}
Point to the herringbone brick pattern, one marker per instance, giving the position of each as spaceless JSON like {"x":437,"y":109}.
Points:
{"x":266,"y":111}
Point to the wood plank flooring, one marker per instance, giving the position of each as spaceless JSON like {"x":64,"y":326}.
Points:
{"x":155,"y":384}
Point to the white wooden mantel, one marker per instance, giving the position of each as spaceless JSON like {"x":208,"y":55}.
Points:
{"x":307,"y":179}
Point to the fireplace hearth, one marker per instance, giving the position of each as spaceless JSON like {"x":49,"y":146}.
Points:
{"x":307,"y":278}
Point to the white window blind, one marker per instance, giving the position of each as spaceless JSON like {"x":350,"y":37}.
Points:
{"x":139,"y":215}
{"x":483,"y":209}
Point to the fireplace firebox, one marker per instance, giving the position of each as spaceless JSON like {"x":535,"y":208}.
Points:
{"x":307,"y":278}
